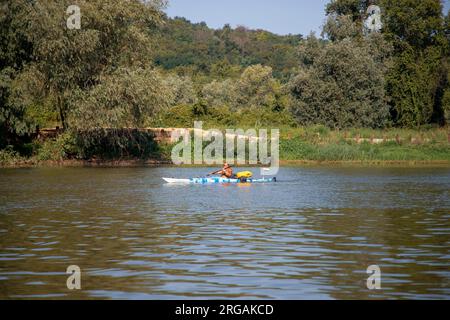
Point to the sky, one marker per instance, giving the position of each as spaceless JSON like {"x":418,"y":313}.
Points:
{"x":277,"y":16}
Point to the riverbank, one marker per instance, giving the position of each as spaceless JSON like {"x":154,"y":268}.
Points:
{"x":161,"y":163}
{"x":30,"y":163}
{"x":298,"y":146}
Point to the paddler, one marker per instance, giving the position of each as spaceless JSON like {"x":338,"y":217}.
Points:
{"x":225,"y":172}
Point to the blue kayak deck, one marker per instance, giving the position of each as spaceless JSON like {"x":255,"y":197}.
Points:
{"x":219,"y":180}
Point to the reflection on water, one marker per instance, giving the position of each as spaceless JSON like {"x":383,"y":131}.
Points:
{"x":311,"y":235}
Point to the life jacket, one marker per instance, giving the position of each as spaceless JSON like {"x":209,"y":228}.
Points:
{"x":228,"y":172}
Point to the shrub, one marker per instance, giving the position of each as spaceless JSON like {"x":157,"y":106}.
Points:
{"x":117,"y":143}
{"x":8,"y":156}
{"x":63,"y":147}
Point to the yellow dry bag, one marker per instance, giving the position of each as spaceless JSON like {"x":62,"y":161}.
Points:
{"x":244,"y":174}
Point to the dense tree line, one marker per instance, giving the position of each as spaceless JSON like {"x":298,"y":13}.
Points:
{"x":397,"y":77}
{"x":196,"y":50}
{"x":131,"y":66}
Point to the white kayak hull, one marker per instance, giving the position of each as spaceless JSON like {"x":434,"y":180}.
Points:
{"x":217,"y":180}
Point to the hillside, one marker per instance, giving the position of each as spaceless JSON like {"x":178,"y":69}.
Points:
{"x":194,"y":48}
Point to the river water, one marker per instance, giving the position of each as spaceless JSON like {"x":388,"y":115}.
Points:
{"x":312,"y":235}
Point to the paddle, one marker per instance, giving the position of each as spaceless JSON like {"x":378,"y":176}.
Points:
{"x":215,"y":172}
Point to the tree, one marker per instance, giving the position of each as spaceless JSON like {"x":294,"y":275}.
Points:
{"x":447,"y":27}
{"x":258,"y":89}
{"x":180,"y":90}
{"x":446,"y":74}
{"x":417,"y":81}
{"x":125,"y":98}
{"x":219,"y":94}
{"x":255,"y":89}
{"x":351,"y":8}
{"x":446,"y":99}
{"x":15,"y":51}
{"x":222,"y":53}
{"x":413,"y":84}
{"x":223,"y":69}
{"x":341,"y":27}
{"x":341,"y":86}
{"x":417,"y":23}
{"x":341,"y":81}
{"x":112,"y":34}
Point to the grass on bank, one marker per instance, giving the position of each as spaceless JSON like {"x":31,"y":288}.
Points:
{"x":321,"y":144}
{"x":315,"y":143}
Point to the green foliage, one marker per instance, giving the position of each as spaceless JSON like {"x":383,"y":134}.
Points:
{"x":126,"y":98}
{"x":61,"y":148}
{"x":116,"y":144}
{"x":343,"y":86}
{"x":219,"y":54}
{"x":11,"y":116}
{"x":415,"y":83}
{"x":14,"y":53}
{"x":255,"y":89}
{"x":42,"y":115}
{"x":9,"y":156}
{"x":183,"y":116}
{"x":446,"y":104}
{"x":180,"y":89}
{"x":62,"y":61}
{"x":418,"y":23}
{"x":218,"y":94}
{"x":101,"y":80}
{"x":352,"y":8}
{"x":412,"y":86}
{"x":341,"y":27}
{"x":110,"y":144}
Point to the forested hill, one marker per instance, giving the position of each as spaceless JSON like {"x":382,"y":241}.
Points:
{"x":195,"y":49}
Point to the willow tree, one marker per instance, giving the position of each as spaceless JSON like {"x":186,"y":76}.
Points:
{"x":15,"y":51}
{"x":257,"y":88}
{"x":339,"y":85}
{"x":124,"y":98}
{"x":341,"y":80}
{"x":417,"y":30}
{"x":113,"y":34}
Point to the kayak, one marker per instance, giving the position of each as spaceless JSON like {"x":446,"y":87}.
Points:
{"x":218,"y":180}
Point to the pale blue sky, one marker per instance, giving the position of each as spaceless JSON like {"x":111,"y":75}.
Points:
{"x":278,"y":16}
